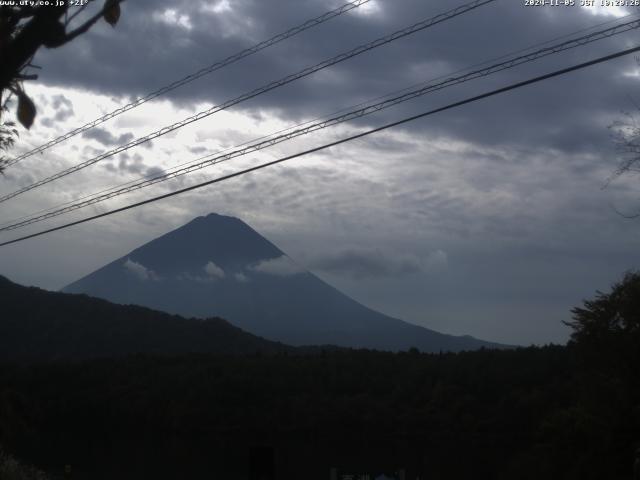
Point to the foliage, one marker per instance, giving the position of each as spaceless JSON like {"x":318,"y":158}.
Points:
{"x":610,"y":317}
{"x":358,"y":408}
{"x":607,"y":329}
{"x":625,"y":134}
{"x":25,"y":28}
{"x":41,"y":325}
{"x":8,"y":133}
{"x":12,"y":469}
{"x":542,"y":412}
{"x":606,"y":341}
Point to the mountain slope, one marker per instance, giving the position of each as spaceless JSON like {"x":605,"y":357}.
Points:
{"x":218,"y":265}
{"x":41,"y":325}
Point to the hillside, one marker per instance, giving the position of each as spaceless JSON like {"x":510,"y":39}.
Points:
{"x":41,"y":325}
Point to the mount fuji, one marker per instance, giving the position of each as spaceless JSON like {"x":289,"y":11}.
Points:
{"x":219,"y":266}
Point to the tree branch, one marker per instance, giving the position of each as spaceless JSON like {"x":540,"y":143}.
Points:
{"x":22,"y":76}
{"x":36,"y":32}
{"x":89,"y":23}
{"x":77,"y":12}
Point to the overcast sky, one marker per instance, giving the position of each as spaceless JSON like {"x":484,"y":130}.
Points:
{"x":489,"y":220}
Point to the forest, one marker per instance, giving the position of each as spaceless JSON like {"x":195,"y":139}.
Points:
{"x":553,"y":412}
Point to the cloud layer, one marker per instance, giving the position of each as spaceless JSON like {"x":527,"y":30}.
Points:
{"x":489,"y":220}
{"x":214,"y":270}
{"x":369,"y":262}
{"x":281,"y":266}
{"x":140,"y":271}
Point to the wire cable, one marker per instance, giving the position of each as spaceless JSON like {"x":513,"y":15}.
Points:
{"x":476,"y":98}
{"x":332,"y":121}
{"x":345,"y":109}
{"x":422,"y":25}
{"x":194,"y":76}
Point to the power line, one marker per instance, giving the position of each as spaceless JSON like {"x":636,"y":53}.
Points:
{"x":498,"y":91}
{"x":312,"y":127}
{"x":206,"y":161}
{"x":259,"y":91}
{"x":56,"y":208}
{"x":194,"y":76}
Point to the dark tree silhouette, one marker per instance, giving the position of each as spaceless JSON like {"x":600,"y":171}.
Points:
{"x":606,"y":330}
{"x":8,"y":134}
{"x":606,"y":338}
{"x":625,"y":134}
{"x":610,"y":317}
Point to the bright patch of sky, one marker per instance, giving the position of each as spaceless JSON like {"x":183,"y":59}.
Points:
{"x":219,"y":7}
{"x":233,"y":24}
{"x":372,"y":8}
{"x":172,"y":17}
{"x":606,"y":11}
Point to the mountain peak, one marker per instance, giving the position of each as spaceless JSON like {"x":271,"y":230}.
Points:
{"x":226,"y":241}
{"x":214,"y":220}
{"x":216,"y":217}
{"x":217,"y":265}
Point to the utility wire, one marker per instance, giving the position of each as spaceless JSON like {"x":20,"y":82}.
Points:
{"x":194,"y":76}
{"x":312,"y":127}
{"x":79,"y":203}
{"x":498,"y":91}
{"x":345,"y":109}
{"x":177,"y":171}
{"x":259,"y":91}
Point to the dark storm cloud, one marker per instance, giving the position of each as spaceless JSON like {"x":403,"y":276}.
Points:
{"x":133,"y":164}
{"x":197,"y":150}
{"x":150,"y":46}
{"x":89,"y":151}
{"x":154,"y":172}
{"x":106,"y":138}
{"x":128,"y":164}
{"x":158,"y":41}
{"x":63,"y":110}
{"x":366,"y":262}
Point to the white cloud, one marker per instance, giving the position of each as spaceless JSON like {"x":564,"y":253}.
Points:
{"x":140,"y":271}
{"x":369,"y":9}
{"x":367,"y":262}
{"x":241,"y":277}
{"x":172,"y":17}
{"x":214,"y":270}
{"x":213,"y":273}
{"x":220,"y":7}
{"x":187,"y":277}
{"x":281,"y":266}
{"x":230,"y":20}
{"x":610,"y":11}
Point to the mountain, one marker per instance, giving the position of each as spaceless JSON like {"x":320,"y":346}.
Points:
{"x":219,"y":266}
{"x":41,"y":325}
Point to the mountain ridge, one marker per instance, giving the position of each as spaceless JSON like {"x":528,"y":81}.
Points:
{"x":218,"y":265}
{"x":42,"y":325}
